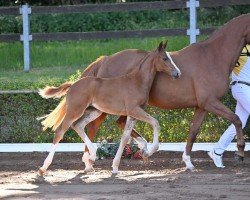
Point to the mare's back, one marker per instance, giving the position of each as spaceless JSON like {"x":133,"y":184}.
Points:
{"x":120,"y":63}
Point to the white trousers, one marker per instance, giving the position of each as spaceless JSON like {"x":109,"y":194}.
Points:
{"x":241,"y":93}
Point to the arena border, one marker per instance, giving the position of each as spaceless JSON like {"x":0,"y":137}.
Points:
{"x":78,"y":147}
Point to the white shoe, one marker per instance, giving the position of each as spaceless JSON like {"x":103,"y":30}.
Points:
{"x":216,"y":158}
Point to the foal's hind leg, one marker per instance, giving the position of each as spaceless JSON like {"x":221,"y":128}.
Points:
{"x":124,"y":140}
{"x":57,"y":138}
{"x":88,"y":157}
{"x":142,"y":143}
{"x":71,"y":115}
{"x":140,"y":114}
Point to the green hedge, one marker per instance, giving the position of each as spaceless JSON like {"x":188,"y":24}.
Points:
{"x":85,"y":22}
{"x":18,"y":113}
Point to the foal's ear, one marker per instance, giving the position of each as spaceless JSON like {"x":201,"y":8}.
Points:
{"x":159,"y":48}
{"x":165,"y":45}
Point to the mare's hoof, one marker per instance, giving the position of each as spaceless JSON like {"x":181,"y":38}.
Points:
{"x":41,"y":172}
{"x":238,"y":158}
{"x":115,"y":170}
{"x":190,"y":168}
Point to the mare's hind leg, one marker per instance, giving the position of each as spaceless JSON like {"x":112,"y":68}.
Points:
{"x":124,"y":140}
{"x":79,"y":126}
{"x":216,"y":107}
{"x":140,"y":114}
{"x":193,"y":131}
{"x":142,"y":143}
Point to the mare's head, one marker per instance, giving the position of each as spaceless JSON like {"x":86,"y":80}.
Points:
{"x":164,"y":63}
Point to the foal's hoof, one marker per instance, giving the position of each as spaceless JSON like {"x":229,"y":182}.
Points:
{"x":88,"y":170}
{"x":41,"y":172}
{"x":144,"y":153}
{"x":91,"y":162}
{"x":238,"y":158}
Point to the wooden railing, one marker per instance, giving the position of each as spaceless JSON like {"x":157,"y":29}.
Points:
{"x":192,"y":5}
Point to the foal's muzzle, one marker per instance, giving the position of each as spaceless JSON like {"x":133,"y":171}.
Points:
{"x":176,"y":74}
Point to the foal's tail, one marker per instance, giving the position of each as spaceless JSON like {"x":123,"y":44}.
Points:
{"x":55,"y":92}
{"x":55,"y":118}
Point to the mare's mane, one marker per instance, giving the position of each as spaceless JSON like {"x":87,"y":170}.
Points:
{"x":226,"y":27}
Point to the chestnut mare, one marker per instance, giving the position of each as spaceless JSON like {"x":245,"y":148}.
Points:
{"x":125,"y":95}
{"x":205,"y":68}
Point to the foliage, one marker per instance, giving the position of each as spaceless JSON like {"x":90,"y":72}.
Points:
{"x":105,"y":149}
{"x":18,"y":123}
{"x":135,"y":20}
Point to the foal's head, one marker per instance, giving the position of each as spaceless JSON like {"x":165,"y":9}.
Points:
{"x":164,"y":63}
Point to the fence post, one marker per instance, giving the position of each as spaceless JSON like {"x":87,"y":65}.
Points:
{"x":26,"y":37}
{"x":192,"y":31}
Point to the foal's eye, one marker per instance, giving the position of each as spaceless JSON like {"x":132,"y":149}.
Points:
{"x":165,"y":58}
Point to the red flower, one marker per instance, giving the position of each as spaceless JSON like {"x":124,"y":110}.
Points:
{"x":137,"y":155}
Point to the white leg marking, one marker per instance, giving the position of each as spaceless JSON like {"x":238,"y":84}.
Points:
{"x":142,"y":143}
{"x":156,"y":130}
{"x":79,"y":128}
{"x":187,"y":160}
{"x":49,"y":158}
{"x":124,"y":140}
{"x":88,"y":165}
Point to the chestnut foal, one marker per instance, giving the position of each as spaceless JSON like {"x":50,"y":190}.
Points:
{"x":125,"y":95}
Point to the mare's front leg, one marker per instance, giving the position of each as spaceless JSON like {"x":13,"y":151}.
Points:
{"x":142,"y":143}
{"x":216,"y":107}
{"x":124,"y":140}
{"x":199,"y":115}
{"x":90,"y":155}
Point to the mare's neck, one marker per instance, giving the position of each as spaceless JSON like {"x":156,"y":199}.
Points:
{"x":228,"y":42}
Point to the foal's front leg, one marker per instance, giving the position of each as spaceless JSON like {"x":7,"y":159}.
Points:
{"x":124,"y":140}
{"x":140,"y":114}
{"x":142,"y":143}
